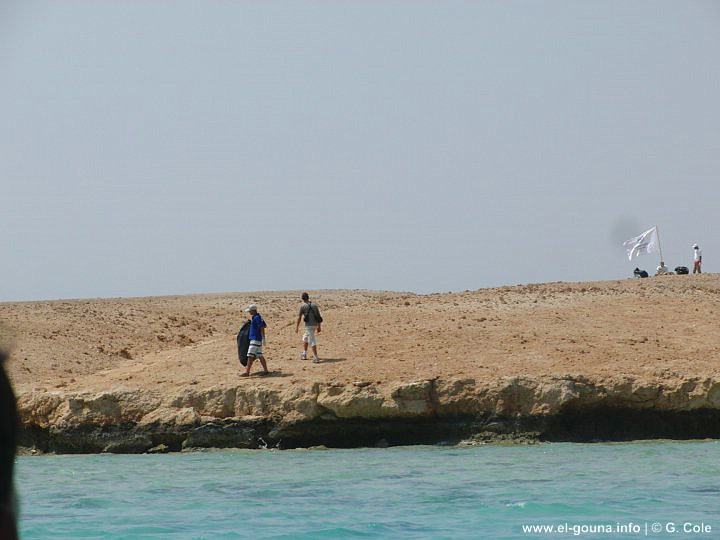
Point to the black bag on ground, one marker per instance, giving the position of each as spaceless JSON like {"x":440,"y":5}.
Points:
{"x":682,"y":270}
{"x":243,"y":342}
{"x":640,"y":273}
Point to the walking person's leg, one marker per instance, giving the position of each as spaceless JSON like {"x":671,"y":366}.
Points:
{"x":308,"y":339}
{"x":250,"y":361}
{"x":313,"y":343}
{"x":255,"y":351}
{"x":263,"y":364}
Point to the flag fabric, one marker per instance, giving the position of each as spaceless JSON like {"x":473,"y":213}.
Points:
{"x":645,"y":243}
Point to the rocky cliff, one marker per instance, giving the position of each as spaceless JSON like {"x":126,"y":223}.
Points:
{"x":366,"y":413}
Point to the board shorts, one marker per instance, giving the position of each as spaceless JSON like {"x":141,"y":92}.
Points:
{"x":255,"y":349}
{"x":309,"y":335}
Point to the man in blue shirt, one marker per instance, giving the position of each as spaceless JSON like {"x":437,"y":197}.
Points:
{"x":257,"y":340}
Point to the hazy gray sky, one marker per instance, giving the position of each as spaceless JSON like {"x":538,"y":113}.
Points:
{"x":173,"y":147}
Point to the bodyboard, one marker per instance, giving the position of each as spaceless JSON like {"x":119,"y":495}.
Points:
{"x":243,"y":342}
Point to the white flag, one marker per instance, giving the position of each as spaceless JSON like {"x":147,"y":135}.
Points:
{"x":645,"y":243}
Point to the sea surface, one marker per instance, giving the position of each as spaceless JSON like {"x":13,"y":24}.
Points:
{"x":580,"y":490}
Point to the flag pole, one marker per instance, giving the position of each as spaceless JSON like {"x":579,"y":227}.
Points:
{"x":659,"y":248}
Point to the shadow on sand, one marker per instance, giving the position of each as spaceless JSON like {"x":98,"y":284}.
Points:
{"x":331,"y":360}
{"x":272,"y":374}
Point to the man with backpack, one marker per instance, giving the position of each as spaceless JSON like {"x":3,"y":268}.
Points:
{"x":310,"y":313}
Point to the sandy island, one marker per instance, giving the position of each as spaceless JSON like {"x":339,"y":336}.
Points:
{"x":616,"y":360}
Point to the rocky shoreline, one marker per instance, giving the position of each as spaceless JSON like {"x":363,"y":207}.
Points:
{"x":365,"y":413}
{"x":614,"y":360}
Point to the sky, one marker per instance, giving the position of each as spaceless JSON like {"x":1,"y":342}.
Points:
{"x":181,"y":147}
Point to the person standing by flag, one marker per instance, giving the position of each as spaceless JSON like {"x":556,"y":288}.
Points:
{"x":697,"y":259}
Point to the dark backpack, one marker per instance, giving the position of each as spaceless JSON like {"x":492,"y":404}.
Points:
{"x":315,"y":311}
{"x":640,"y":273}
{"x":682,"y":270}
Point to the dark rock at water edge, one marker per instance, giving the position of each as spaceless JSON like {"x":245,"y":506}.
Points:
{"x":223,"y":434}
{"x":586,"y":424}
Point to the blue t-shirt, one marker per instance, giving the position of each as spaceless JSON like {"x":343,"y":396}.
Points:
{"x":256,"y":325}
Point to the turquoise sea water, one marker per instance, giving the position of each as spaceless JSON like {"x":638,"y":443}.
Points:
{"x":404,"y":492}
